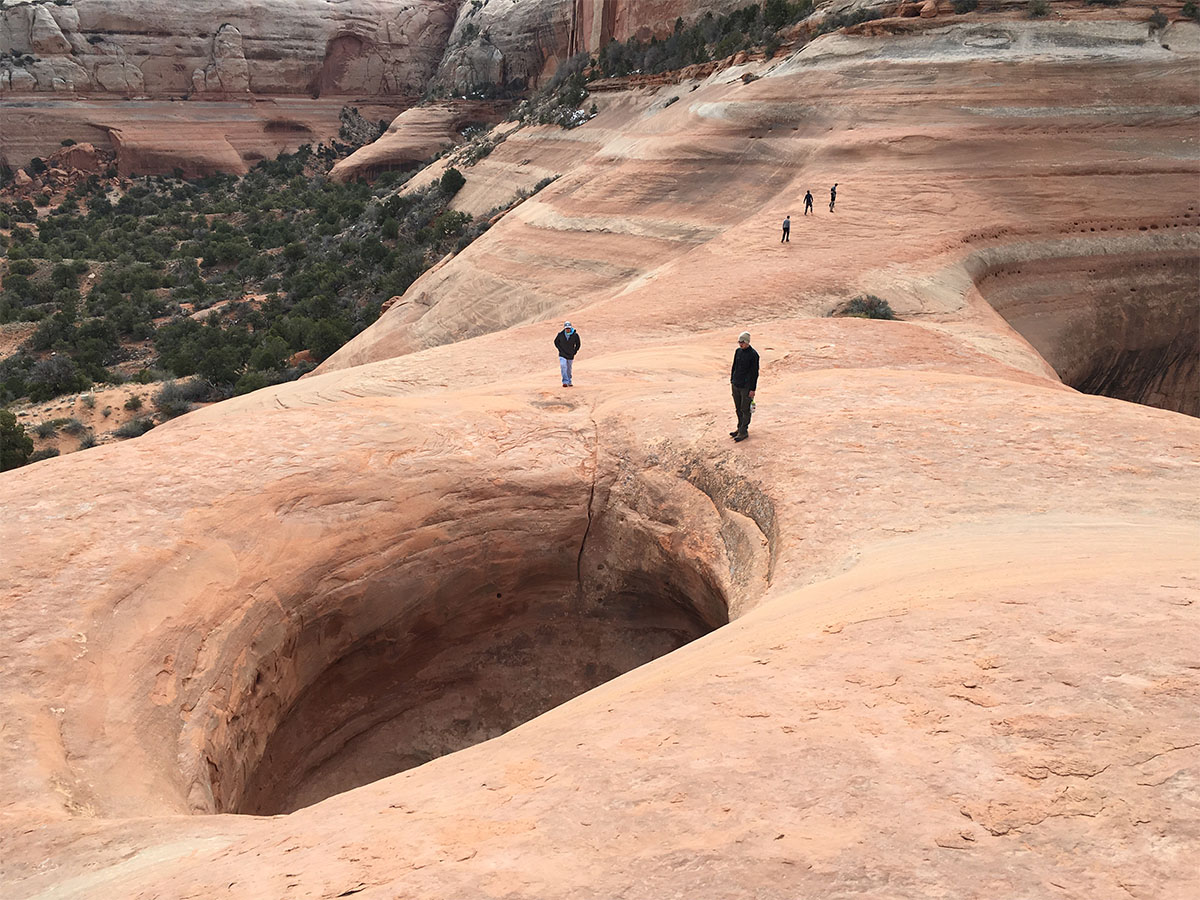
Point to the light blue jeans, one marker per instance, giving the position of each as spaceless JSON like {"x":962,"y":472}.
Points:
{"x":565,"y":366}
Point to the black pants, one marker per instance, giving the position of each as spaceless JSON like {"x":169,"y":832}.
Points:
{"x":786,"y":232}
{"x":741,"y":402}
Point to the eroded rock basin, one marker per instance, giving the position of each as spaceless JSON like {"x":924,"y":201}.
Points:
{"x":455,"y":674}
{"x":437,"y":646}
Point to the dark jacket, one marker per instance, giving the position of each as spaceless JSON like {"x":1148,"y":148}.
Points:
{"x":744,"y":373}
{"x":567,"y":346}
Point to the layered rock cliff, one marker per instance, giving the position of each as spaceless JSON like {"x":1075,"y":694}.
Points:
{"x":155,"y":49}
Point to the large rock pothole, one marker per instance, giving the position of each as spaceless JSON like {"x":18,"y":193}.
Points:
{"x":1122,"y":325}
{"x":460,"y":641}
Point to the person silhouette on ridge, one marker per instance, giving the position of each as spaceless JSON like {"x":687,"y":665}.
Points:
{"x":787,"y":230}
{"x":807,"y":202}
{"x":832,"y":196}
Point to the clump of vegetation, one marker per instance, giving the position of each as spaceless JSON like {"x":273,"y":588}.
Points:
{"x":15,"y":445}
{"x":865,"y":306}
{"x":559,"y":102}
{"x":1191,"y":10}
{"x":134,"y":402}
{"x":134,"y":428}
{"x":49,"y":428}
{"x":1158,"y":19}
{"x":961,"y":7}
{"x":275,"y":262}
{"x":177,"y":397}
{"x":1038,"y":9}
{"x":44,"y":453}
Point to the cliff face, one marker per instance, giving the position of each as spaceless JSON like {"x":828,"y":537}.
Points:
{"x":188,"y":49}
{"x":500,"y":42}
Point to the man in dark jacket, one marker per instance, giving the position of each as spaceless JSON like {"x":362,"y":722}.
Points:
{"x":744,"y":378}
{"x":567,"y":342}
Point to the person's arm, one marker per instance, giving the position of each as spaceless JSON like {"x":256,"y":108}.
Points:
{"x":578,"y":341}
{"x":753,"y":374}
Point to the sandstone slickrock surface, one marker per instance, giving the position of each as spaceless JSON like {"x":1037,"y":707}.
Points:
{"x":961,"y":596}
{"x":416,"y":135}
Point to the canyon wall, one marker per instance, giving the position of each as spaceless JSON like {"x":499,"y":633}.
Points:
{"x":173,"y":50}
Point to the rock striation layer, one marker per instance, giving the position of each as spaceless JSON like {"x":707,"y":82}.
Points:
{"x":960,"y":595}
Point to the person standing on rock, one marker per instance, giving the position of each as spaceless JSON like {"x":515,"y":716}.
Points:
{"x":567,"y":342}
{"x":787,"y":230}
{"x":832,"y":196}
{"x":744,"y":379}
{"x":807,"y":202}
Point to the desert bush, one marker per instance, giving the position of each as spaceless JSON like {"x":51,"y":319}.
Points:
{"x":88,"y":400}
{"x":15,"y":445}
{"x":48,"y":428}
{"x":88,"y":441}
{"x":44,"y":453}
{"x":452,"y":182}
{"x":865,"y":306}
{"x":176,"y":397}
{"x":134,"y":428}
{"x":1191,"y":10}
{"x":1038,"y":8}
{"x":73,"y":426}
{"x":965,"y":6}
{"x":1158,"y":19}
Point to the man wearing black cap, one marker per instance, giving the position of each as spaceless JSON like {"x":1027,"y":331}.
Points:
{"x":567,"y":342}
{"x":744,"y":378}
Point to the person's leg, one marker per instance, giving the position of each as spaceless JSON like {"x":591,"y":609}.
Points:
{"x":570,"y":364}
{"x":564,"y":366}
{"x":741,"y":401}
{"x":737,"y":408}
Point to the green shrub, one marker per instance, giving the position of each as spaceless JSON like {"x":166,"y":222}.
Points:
{"x":965,"y":6}
{"x":15,"y":445}
{"x":1038,"y":9}
{"x":44,"y":453}
{"x":133,"y":402}
{"x":452,"y":182}
{"x":1191,"y":10}
{"x":1158,"y":19}
{"x":134,"y":428}
{"x":73,"y":426}
{"x":865,"y":306}
{"x":176,"y":397}
{"x":88,"y":441}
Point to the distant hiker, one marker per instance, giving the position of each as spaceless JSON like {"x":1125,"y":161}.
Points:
{"x":807,"y":202}
{"x":787,"y":230}
{"x":567,"y":342}
{"x":832,"y":196}
{"x":744,"y":379}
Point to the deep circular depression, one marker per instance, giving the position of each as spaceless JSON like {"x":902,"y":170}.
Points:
{"x":415,"y":661}
{"x":1122,"y":325}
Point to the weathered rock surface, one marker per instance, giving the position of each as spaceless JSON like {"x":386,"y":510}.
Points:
{"x":416,"y":135}
{"x":367,"y":52}
{"x":960,"y":658}
{"x":357,"y":48}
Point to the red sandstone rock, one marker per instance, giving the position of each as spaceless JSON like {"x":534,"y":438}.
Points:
{"x":961,"y":658}
{"x":415,"y":136}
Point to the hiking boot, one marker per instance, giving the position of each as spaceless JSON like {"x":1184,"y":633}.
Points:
{"x":733,"y":433}
{"x":740,"y":437}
